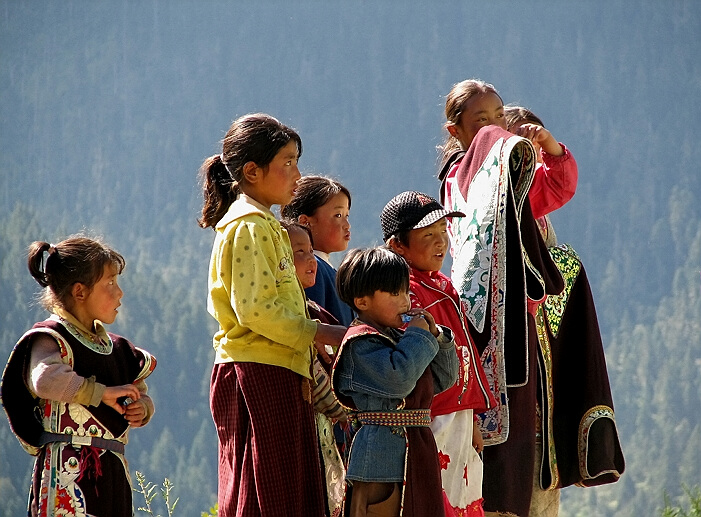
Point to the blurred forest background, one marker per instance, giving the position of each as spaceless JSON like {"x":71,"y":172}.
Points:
{"x":107,"y":110}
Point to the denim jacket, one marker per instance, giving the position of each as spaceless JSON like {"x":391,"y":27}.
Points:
{"x":377,"y":371}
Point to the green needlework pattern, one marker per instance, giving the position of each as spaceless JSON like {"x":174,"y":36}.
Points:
{"x":568,"y":264}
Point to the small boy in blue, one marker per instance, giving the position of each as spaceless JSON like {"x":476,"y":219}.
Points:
{"x":386,"y":378}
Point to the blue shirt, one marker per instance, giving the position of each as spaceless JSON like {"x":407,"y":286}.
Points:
{"x":324,"y":293}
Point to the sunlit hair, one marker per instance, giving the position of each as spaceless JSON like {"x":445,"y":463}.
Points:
{"x":288,"y":224}
{"x":77,"y":259}
{"x":253,"y":138}
{"x":516,"y":115}
{"x":311,"y":193}
{"x":364,"y":271}
{"x":455,"y":101}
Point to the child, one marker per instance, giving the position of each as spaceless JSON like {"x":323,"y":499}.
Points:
{"x":87,"y":384}
{"x":388,"y":378}
{"x":473,"y":104}
{"x":503,"y":271}
{"x":260,"y":393}
{"x":414,"y":226}
{"x":328,"y":409}
{"x":567,"y":323}
{"x":323,"y":204}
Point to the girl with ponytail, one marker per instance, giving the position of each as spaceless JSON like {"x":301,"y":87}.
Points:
{"x":260,"y":391}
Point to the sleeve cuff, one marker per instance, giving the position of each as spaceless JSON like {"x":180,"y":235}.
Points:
{"x":90,"y":392}
{"x":445,"y":337}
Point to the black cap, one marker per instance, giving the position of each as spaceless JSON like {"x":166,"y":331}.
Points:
{"x":411,"y":210}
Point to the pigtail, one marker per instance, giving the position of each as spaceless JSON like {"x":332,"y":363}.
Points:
{"x":35,"y":261}
{"x":219,"y":190}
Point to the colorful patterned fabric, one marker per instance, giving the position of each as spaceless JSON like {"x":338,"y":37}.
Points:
{"x":498,"y":169}
{"x":581,"y":444}
{"x":507,"y":255}
{"x":68,"y":479}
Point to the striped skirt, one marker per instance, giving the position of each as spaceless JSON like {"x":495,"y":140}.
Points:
{"x":268,"y":449}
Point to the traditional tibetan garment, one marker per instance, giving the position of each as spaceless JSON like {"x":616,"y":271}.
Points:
{"x":500,"y":267}
{"x":328,"y":411}
{"x":80,"y":468}
{"x":578,"y":426}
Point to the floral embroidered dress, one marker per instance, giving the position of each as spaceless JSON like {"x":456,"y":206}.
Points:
{"x":80,"y":469}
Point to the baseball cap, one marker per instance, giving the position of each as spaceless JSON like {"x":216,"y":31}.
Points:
{"x":411,"y":210}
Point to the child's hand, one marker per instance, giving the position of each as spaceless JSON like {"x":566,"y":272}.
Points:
{"x":423,"y":319}
{"x":477,"y":440}
{"x":112,"y":393}
{"x":541,"y":138}
{"x":328,"y":335}
{"x":135,"y":413}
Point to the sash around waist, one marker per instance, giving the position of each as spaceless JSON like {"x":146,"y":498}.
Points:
{"x":394,"y":418}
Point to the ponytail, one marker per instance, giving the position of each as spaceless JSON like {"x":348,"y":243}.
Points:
{"x":74,"y":260}
{"x":35,"y":261}
{"x":219,"y":189}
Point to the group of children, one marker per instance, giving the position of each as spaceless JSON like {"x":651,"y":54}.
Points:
{"x":351,"y":391}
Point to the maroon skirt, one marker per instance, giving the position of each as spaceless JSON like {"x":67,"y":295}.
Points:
{"x":268,"y":459}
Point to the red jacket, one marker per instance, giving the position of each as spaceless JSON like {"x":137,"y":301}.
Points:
{"x":433,"y":291}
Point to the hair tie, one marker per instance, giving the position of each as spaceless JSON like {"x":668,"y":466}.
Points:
{"x":52,"y":249}
{"x":221,"y":157}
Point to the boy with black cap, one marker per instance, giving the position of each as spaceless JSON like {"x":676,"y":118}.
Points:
{"x":414,"y":225}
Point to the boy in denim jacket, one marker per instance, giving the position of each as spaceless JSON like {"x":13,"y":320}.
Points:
{"x":387,"y":378}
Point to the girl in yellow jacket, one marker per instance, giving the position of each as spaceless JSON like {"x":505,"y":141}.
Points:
{"x":260,"y":392}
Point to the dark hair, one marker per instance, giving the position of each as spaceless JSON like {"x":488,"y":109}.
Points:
{"x":455,"y":101}
{"x":519,"y":114}
{"x":76,"y":259}
{"x":253,"y":138}
{"x":312,"y":192}
{"x":364,"y":271}
{"x":287,"y":224}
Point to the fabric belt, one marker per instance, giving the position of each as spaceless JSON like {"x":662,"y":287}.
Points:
{"x":395,"y":418}
{"x":82,"y":441}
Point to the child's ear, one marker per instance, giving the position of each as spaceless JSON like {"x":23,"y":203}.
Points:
{"x":452,"y":130}
{"x":251,"y":172}
{"x":361,"y":303}
{"x":303,"y":220}
{"x":79,"y":292}
{"x":397,"y":246}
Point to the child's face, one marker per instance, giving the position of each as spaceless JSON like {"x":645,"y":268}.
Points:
{"x":427,"y":246}
{"x":383,"y":309}
{"x":305,"y":262}
{"x":329,"y":224}
{"x":275,"y":184}
{"x":100,"y":302}
{"x":485,"y":109}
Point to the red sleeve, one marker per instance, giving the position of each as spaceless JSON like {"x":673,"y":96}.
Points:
{"x":554,"y":183}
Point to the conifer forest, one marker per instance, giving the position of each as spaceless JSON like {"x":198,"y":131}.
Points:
{"x":107,"y":110}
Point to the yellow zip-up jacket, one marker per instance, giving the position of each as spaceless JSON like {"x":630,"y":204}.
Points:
{"x":254,"y":292}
